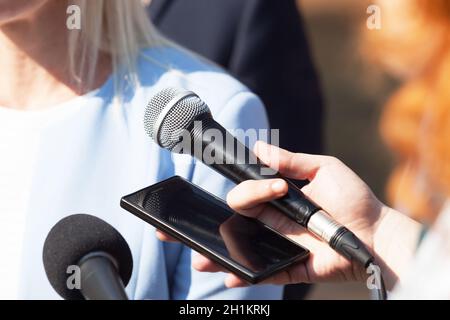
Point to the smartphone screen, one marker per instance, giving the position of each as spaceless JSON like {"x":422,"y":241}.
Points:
{"x":207,"y":224}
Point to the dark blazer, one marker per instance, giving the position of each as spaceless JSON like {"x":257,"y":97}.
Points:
{"x":263,"y":44}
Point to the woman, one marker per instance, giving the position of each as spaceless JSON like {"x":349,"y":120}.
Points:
{"x":72,"y":138}
{"x":414,"y":43}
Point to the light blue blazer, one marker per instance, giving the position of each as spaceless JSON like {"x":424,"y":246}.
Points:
{"x":94,"y":150}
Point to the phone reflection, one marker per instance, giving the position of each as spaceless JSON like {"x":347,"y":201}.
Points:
{"x":210,"y":223}
{"x":240,"y":243}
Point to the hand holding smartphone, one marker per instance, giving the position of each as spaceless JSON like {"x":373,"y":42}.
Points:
{"x":205,"y":223}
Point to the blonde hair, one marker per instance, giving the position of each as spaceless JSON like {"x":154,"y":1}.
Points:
{"x":117,"y":28}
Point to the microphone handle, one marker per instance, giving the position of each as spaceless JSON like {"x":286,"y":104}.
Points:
{"x":100,"y":279}
{"x":234,"y":160}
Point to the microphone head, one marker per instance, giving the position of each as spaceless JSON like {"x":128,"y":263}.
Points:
{"x":74,"y":237}
{"x":170,"y":112}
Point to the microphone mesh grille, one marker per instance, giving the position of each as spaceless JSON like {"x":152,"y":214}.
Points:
{"x":176,"y":120}
{"x":155,"y":106}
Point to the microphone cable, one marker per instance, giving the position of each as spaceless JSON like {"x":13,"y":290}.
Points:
{"x":351,"y":247}
{"x":348,"y":245}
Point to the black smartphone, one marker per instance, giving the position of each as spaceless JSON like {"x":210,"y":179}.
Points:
{"x":205,"y":223}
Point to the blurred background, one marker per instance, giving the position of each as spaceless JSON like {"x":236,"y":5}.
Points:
{"x":355,"y":92}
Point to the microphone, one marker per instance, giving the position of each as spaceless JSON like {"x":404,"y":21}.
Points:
{"x":96,"y":251}
{"x":178,"y":120}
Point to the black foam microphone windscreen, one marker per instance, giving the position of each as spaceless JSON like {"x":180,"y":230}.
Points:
{"x":76,"y":236}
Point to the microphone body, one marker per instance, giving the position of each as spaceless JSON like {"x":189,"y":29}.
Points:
{"x":238,"y":163}
{"x":174,"y":112}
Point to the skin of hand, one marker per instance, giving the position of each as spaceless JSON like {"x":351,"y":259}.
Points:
{"x":340,"y":192}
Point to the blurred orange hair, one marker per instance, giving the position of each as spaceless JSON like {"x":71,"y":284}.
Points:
{"x":414,"y":43}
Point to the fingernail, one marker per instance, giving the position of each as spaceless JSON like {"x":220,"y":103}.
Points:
{"x":278,"y":186}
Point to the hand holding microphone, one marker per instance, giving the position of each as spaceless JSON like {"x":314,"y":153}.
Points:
{"x":386,"y":232}
{"x":332,"y":185}
{"x":352,"y":203}
{"x":181,"y":122}
{"x":172,"y":117}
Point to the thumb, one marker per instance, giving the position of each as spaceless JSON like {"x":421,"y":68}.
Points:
{"x":248,"y":195}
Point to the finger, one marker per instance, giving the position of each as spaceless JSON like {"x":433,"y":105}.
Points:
{"x":300,"y":166}
{"x":165,"y":237}
{"x":233,"y":281}
{"x":292,"y":275}
{"x":251,"y":193}
{"x":307,"y":190}
{"x":203,"y":264}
